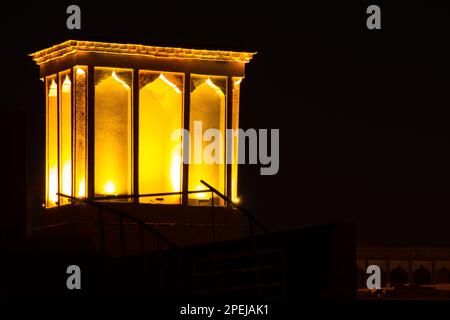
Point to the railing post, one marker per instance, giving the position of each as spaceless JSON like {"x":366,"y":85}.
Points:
{"x":213,"y":222}
{"x":246,"y":212}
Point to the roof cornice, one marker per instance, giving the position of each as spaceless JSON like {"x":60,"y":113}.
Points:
{"x":73,"y":46}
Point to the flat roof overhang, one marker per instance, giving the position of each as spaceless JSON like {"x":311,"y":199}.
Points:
{"x":72,"y":53}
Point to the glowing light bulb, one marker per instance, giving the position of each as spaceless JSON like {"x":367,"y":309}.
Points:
{"x":201,"y":195}
{"x":82,"y":189}
{"x":109,"y":187}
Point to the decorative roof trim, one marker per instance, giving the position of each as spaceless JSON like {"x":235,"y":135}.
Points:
{"x":73,"y":46}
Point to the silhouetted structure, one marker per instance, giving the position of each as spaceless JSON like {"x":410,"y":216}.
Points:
{"x":407,"y":264}
{"x":118,"y":201}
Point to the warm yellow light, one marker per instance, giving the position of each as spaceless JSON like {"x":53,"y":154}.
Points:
{"x":201,"y":195}
{"x":163,"y":78}
{"x":175,"y":172}
{"x":109,"y":187}
{"x":216,"y":88}
{"x":65,"y":139}
{"x":236,"y":200}
{"x":208,"y":106}
{"x":238,"y":81}
{"x":115,"y":77}
{"x":112,"y":134}
{"x":67,"y":179}
{"x":76,"y":47}
{"x":82,"y":189}
{"x":79,"y":133}
{"x":160,"y":155}
{"x":53,"y":185}
{"x":52,"y":92}
{"x":66,"y":85}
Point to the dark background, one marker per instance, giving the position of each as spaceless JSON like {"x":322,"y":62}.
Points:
{"x":363,"y":115}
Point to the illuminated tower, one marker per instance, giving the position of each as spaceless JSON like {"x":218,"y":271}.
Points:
{"x":114,"y":118}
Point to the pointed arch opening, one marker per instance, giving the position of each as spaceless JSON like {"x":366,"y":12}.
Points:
{"x":113,"y":132}
{"x":207,"y":127}
{"x":160,"y":154}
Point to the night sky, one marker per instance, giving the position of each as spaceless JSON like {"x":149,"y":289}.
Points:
{"x":363,"y":115}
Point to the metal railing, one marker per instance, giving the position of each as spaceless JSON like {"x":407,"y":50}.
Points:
{"x":102,"y":206}
{"x":251,"y":218}
{"x":142,"y":226}
{"x":122,"y":215}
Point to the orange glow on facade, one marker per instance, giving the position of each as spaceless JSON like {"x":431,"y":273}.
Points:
{"x":208,"y":107}
{"x":160,"y":113}
{"x":52,"y":144}
{"x":65,"y":136}
{"x":124,"y":155}
{"x":113,"y":125}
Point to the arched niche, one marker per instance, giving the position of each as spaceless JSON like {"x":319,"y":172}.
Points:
{"x":442,"y":275}
{"x":399,"y":276}
{"x":65,"y":135}
{"x":112,"y":132}
{"x":52,"y":183}
{"x":160,"y":156}
{"x":207,"y":158}
{"x":421,"y":276}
